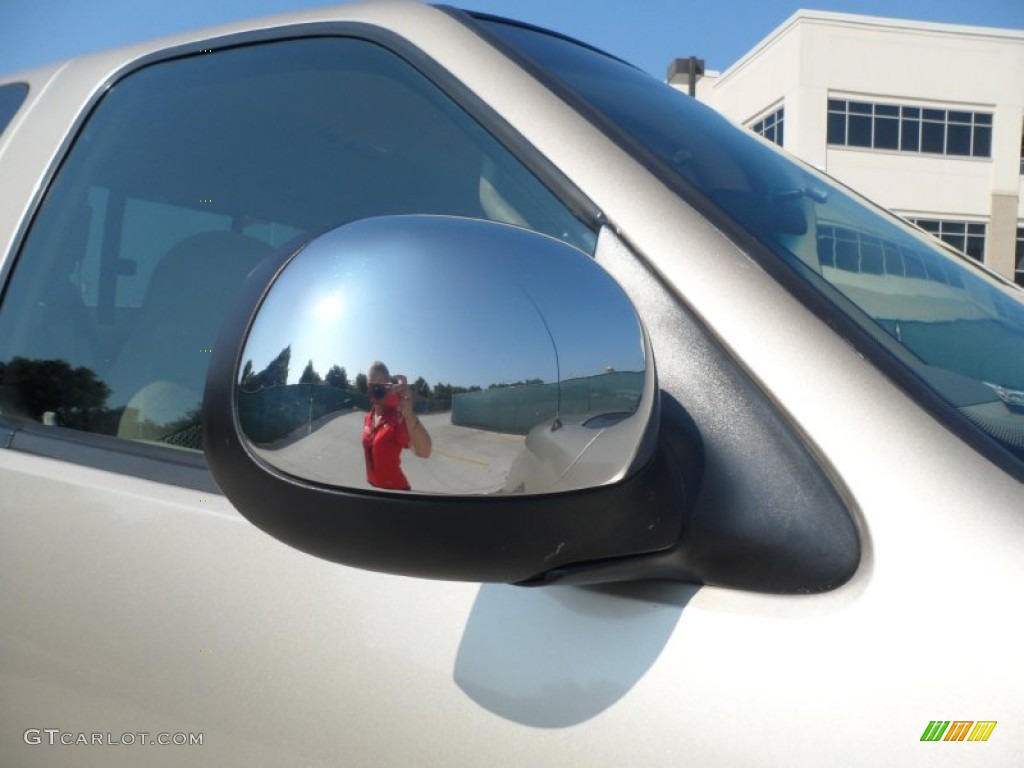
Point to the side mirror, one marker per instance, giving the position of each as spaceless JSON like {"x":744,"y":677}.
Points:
{"x":520,"y":358}
{"x":523,"y":364}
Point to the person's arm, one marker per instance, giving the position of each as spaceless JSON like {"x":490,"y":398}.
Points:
{"x":419,"y":438}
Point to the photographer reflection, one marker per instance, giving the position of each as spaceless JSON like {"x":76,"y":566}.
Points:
{"x":390,"y":427}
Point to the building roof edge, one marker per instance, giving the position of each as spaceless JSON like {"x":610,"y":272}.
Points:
{"x":854,"y":20}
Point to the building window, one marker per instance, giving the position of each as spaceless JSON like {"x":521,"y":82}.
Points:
{"x":1018,"y":275}
{"x":909,"y":129}
{"x":966,"y":236}
{"x":771,"y":126}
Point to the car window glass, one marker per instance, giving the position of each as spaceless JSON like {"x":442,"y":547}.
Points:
{"x":188,"y":174}
{"x":958,"y":330}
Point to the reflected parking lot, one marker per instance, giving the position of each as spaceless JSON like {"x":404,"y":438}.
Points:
{"x":469,"y":460}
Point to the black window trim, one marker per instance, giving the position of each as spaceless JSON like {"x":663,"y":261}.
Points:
{"x":171,"y":465}
{"x":760,"y":124}
{"x":817,"y":302}
{"x":876,"y":110}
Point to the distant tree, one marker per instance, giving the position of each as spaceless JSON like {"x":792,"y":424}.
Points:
{"x":442,"y":393}
{"x":361,"y":383}
{"x":528,"y":382}
{"x":276,"y":372}
{"x":248,"y":377}
{"x":336,"y":377}
{"x":309,"y":375}
{"x":420,"y":387}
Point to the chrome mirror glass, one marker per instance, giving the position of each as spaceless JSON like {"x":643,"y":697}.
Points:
{"x":450,"y":356}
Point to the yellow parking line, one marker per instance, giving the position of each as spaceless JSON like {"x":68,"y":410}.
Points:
{"x":464,"y":458}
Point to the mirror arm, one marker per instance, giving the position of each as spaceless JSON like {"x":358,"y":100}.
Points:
{"x":733,"y":548}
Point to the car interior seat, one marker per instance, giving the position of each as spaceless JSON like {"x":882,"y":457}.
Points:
{"x":160,"y":372}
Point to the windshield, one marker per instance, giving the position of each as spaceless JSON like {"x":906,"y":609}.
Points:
{"x":958,"y":329}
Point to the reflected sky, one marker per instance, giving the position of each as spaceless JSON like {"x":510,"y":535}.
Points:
{"x":460,"y":316}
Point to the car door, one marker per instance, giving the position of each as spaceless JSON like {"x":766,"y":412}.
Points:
{"x":141,"y":611}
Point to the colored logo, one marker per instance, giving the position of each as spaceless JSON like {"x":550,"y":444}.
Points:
{"x":958,"y":730}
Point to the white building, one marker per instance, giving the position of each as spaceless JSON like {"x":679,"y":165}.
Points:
{"x":926,"y":119}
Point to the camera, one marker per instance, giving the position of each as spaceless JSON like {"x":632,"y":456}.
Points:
{"x":381,"y":391}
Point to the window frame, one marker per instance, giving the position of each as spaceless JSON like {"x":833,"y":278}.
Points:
{"x":914,"y":125}
{"x":947,"y":230}
{"x":188,"y":469}
{"x":771,"y":125}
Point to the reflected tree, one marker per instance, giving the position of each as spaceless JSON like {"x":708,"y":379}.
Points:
{"x":336,"y":377}
{"x":276,"y":374}
{"x":420,"y":388}
{"x":75,"y":395}
{"x":309,"y":375}
{"x":248,"y":377}
{"x":526,"y":383}
{"x":441,"y":395}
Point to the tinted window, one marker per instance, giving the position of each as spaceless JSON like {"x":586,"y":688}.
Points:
{"x":953,"y":328}
{"x":933,"y":136}
{"x":887,"y":133}
{"x":895,"y":127}
{"x":982,"y":141}
{"x":836,"y":128}
{"x":860,"y":131}
{"x":1019,"y":257}
{"x":958,"y":139}
{"x":910,"y":138}
{"x":191,"y":172}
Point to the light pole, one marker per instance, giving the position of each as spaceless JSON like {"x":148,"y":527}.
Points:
{"x":690,"y":70}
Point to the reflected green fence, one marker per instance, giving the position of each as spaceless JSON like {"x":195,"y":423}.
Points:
{"x":516,"y":410}
{"x":272,"y":414}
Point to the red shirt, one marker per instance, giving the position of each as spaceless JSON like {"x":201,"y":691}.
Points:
{"x":382,"y":445}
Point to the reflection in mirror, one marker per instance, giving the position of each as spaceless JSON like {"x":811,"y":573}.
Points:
{"x":445,"y":355}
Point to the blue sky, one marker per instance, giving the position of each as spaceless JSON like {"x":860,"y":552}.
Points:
{"x":649,"y":33}
{"x":327,"y":307}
